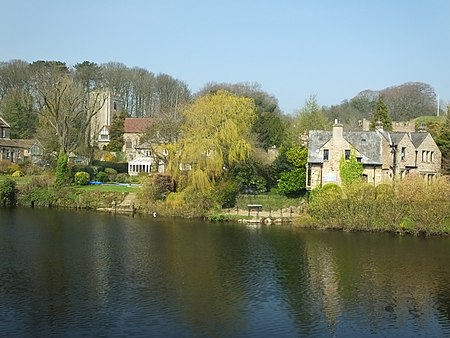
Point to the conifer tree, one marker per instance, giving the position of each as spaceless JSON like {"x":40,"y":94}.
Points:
{"x":116,"y":133}
{"x":381,"y":114}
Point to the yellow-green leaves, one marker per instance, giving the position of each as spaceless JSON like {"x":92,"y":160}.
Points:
{"x":215,"y":136}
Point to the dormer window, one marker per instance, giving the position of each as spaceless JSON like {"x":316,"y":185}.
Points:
{"x":326,"y":154}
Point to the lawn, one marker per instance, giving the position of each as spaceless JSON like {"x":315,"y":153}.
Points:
{"x":108,"y":188}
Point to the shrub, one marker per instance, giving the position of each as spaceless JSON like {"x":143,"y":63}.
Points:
{"x":109,"y":157}
{"x":123,"y":178}
{"x":13,"y":167}
{"x":82,"y":178}
{"x":62,"y":171}
{"x":17,"y":173}
{"x":112,"y":173}
{"x":102,"y":176}
{"x":121,"y":167}
{"x":8,"y":192}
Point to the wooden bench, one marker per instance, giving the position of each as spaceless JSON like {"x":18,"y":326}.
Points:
{"x":257,"y":207}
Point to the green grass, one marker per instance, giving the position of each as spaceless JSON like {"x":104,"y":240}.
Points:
{"x":19,"y":180}
{"x":268,"y":201}
{"x":107,"y":188}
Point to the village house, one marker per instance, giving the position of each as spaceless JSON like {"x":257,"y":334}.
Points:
{"x":18,"y":150}
{"x":139,"y":153}
{"x":385,"y":156}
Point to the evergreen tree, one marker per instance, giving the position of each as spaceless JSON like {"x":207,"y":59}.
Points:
{"x":381,"y":113}
{"x":116,"y":133}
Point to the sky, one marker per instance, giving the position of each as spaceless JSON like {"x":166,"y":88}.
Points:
{"x":292,"y":48}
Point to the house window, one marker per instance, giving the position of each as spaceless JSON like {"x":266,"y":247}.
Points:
{"x":115,"y":105}
{"x":403,"y":154}
{"x":424,"y":156}
{"x":326,"y":154}
{"x":347,"y":154}
{"x":128,"y":144}
{"x":104,"y":137}
{"x":358,"y":159}
{"x":432,"y":156}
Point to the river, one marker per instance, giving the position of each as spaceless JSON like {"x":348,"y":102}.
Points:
{"x":69,"y":274}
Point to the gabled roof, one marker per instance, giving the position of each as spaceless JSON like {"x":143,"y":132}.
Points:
{"x":417,"y":138}
{"x":368,"y":144}
{"x":19,"y":143}
{"x":136,"y":124}
{"x":3,"y":123}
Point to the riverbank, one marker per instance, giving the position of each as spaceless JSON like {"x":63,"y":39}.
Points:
{"x":407,"y":209}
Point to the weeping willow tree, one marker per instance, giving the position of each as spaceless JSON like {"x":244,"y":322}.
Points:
{"x":216,"y":135}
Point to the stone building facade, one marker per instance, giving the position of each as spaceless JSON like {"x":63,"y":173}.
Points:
{"x":384,"y":155}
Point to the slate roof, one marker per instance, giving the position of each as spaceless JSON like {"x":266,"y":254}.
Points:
{"x":136,"y":124}
{"x":417,"y":138}
{"x":368,"y":144}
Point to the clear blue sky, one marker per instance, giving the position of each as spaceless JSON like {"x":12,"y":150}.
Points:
{"x":292,"y":48}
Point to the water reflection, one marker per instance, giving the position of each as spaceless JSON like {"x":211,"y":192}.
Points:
{"x":66,"y":273}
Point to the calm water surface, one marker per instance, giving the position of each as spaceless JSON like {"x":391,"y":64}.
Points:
{"x":66,"y":273}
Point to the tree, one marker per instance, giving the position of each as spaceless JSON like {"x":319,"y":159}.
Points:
{"x":381,"y":114}
{"x":17,"y":105}
{"x":116,"y":131}
{"x":292,"y":180}
{"x":215,"y":137}
{"x":410,"y":100}
{"x":310,"y":117}
{"x":269,"y":127}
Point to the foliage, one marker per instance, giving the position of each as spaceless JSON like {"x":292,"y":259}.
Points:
{"x":120,"y":167}
{"x":251,"y":176}
{"x":309,"y":117}
{"x":8,"y":192}
{"x":226,"y":192}
{"x":292,"y":180}
{"x":116,"y":131}
{"x":123,"y":178}
{"x":112,"y":173}
{"x":191,"y":203}
{"x":62,"y":170}
{"x":269,"y":127}
{"x":101,"y":176}
{"x":82,"y":178}
{"x":17,"y":173}
{"x":216,"y":136}
{"x":162,"y":186}
{"x":409,"y":206}
{"x":350,"y":170}
{"x":381,"y":114}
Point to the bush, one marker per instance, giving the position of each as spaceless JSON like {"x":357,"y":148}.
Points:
{"x":121,"y":167}
{"x":123,"y":178}
{"x":112,"y":173}
{"x":82,"y":178}
{"x":8,"y":192}
{"x":62,"y":171}
{"x":102,"y":176}
{"x":17,"y":173}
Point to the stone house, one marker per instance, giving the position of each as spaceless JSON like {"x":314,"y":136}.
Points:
{"x":385,"y":155}
{"x":133,"y":132}
{"x":18,"y":150}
